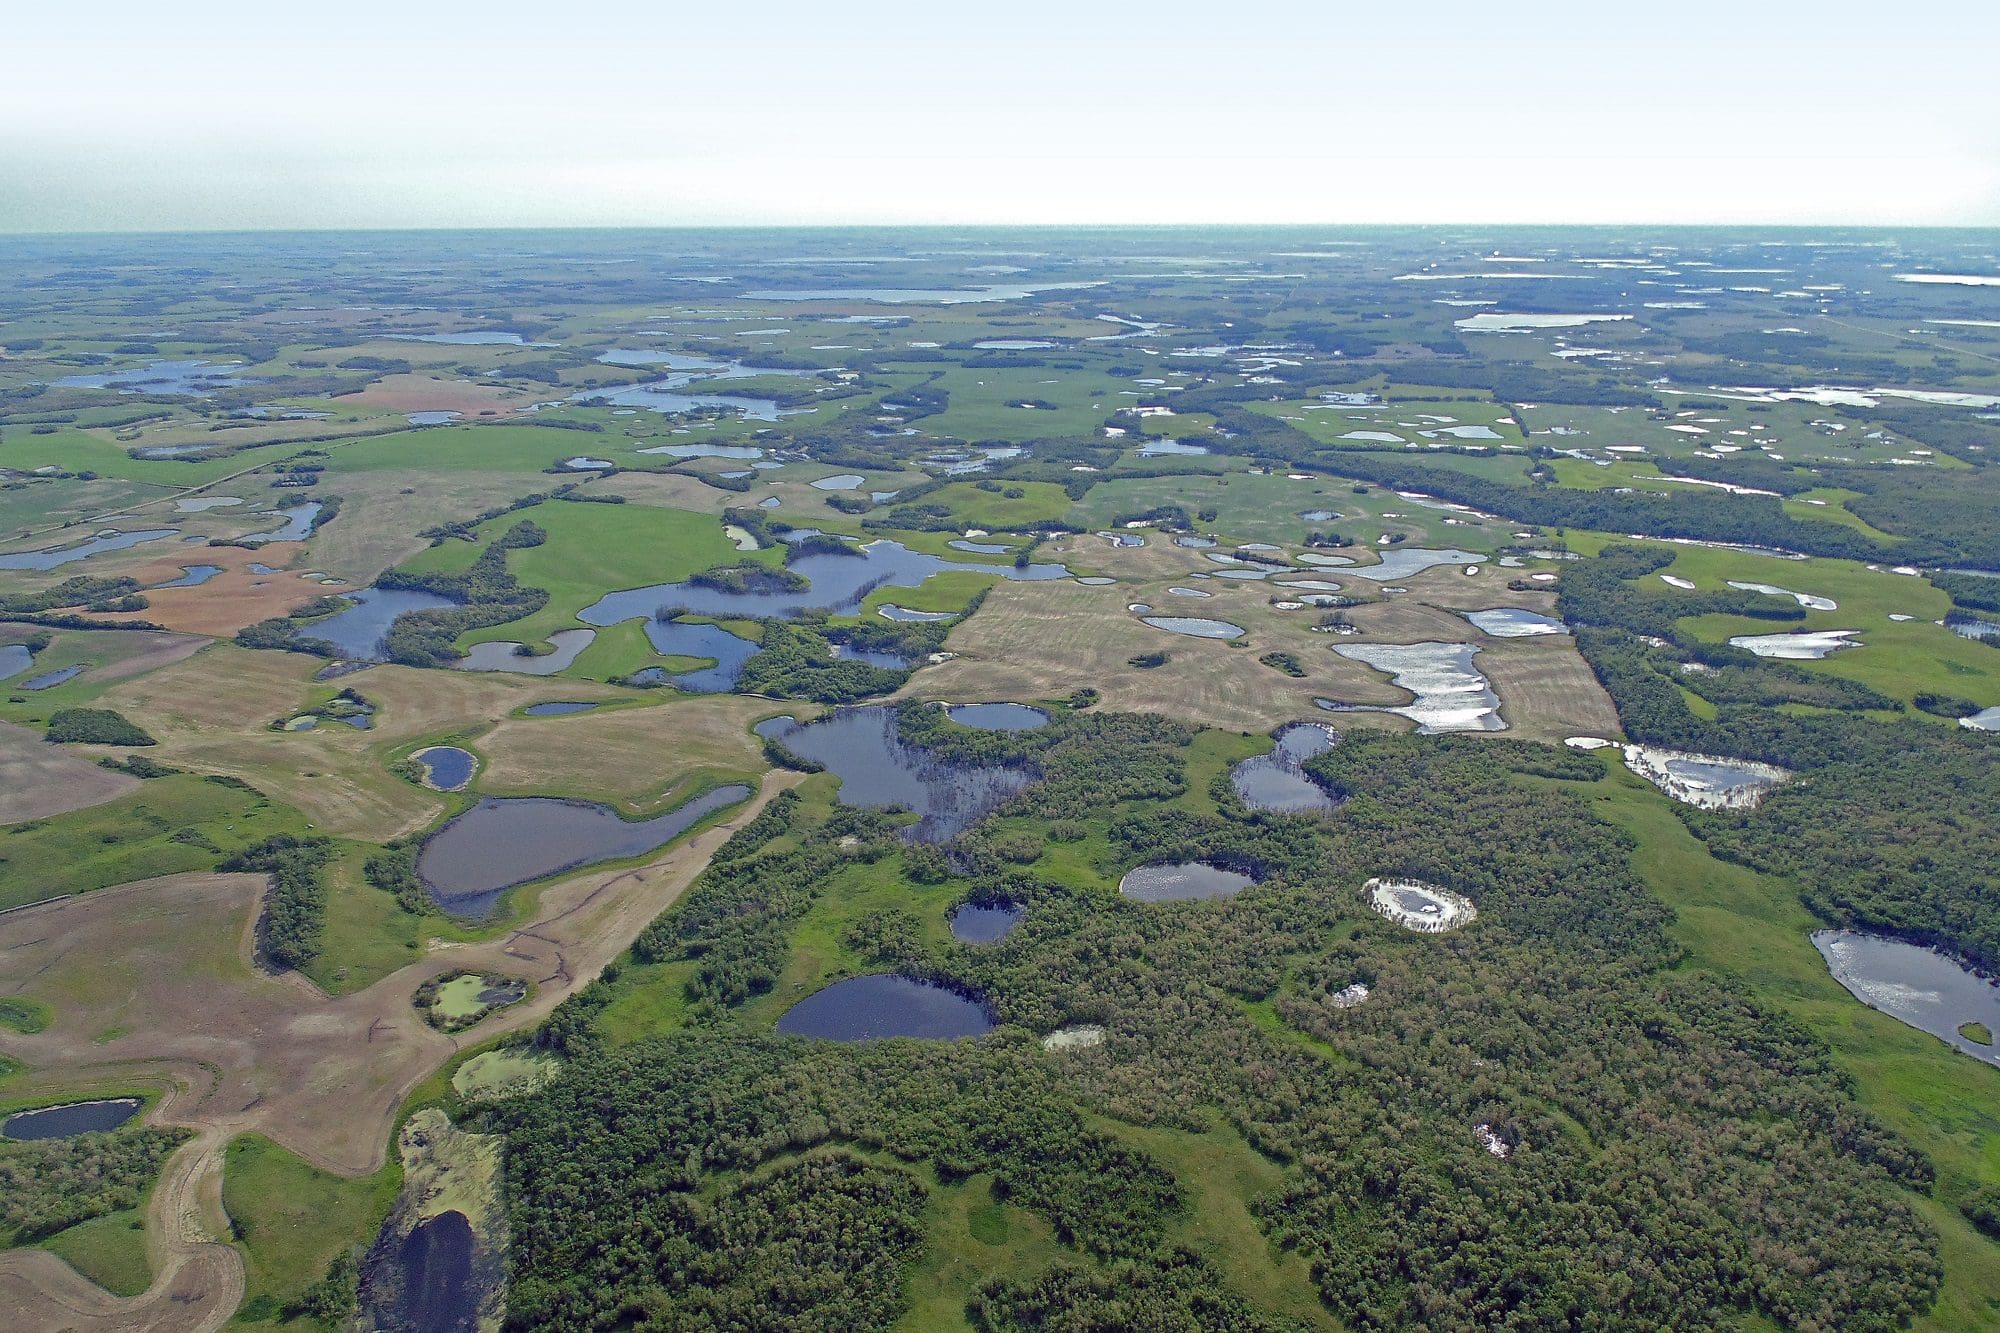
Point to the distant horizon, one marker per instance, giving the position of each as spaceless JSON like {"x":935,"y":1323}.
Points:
{"x":225,"y":115}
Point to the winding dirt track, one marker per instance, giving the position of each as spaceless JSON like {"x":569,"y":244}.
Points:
{"x":154,"y":984}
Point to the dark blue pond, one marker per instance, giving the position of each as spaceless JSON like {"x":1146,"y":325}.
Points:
{"x":56,"y":557}
{"x":974,"y":924}
{"x":446,"y":767}
{"x":556,"y":708}
{"x":504,"y":841}
{"x":998,"y":717}
{"x":878,"y":1006}
{"x":674,"y":639}
{"x":836,"y":583}
{"x":869,"y":657}
{"x":878,"y":771}
{"x":50,"y":679}
{"x":357,"y":632}
{"x":60,"y":1122}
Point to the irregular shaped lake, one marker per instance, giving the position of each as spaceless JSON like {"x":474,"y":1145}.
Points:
{"x":880,"y":1005}
{"x":1276,"y":782}
{"x":834,"y":583}
{"x":1401,"y":562}
{"x":556,"y":708}
{"x":1803,"y":646}
{"x":192,"y":576}
{"x":727,"y":651}
{"x":501,"y":656}
{"x":878,"y":771}
{"x":357,"y":631}
{"x":14,"y":659}
{"x":61,"y":1122}
{"x":504,"y":841}
{"x":48,"y":680}
{"x":1510,"y":622}
{"x":1918,"y":986}
{"x":1451,"y":693}
{"x":56,"y":557}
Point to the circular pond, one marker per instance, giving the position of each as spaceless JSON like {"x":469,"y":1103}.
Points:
{"x":976,"y":923}
{"x":446,"y":767}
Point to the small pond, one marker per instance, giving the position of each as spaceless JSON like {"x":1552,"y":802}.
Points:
{"x":1511,"y":622}
{"x":869,"y":657}
{"x":1195,"y":627}
{"x":1803,"y":646}
{"x":1922,"y":987}
{"x":737,"y":451}
{"x":978,"y":548}
{"x":1805,"y":599}
{"x":502,"y":655}
{"x":1986,"y":719}
{"x":446,"y":767}
{"x":14,"y":659}
{"x":672,"y":638}
{"x":882,"y":1005}
{"x":1165,"y":448}
{"x":48,"y":680}
{"x":998,"y":717}
{"x":1181,"y":882}
{"x":436,"y":1292}
{"x":556,"y":708}
{"x":56,"y":557}
{"x":846,"y":481}
{"x":504,"y":841}
{"x":973,"y":923}
{"x":192,"y":576}
{"x":296,"y":527}
{"x":61,"y":1122}
{"x":1276,"y":782}
{"x":432,"y":418}
{"x":180,"y":379}
{"x":878,"y":771}
{"x":195,"y":504}
{"x":890,"y":611}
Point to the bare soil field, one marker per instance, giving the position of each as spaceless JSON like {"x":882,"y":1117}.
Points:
{"x":426,"y":393}
{"x":1547,"y":691}
{"x":38,"y":780}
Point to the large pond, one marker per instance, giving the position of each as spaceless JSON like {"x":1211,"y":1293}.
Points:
{"x":181,"y":379}
{"x":56,"y":557}
{"x":1276,"y":782}
{"x":1401,"y":562}
{"x":1511,"y":622}
{"x":728,"y":652}
{"x":1710,"y":782}
{"x":503,"y":655}
{"x":60,"y":1122}
{"x":14,"y":659}
{"x":1181,"y":882}
{"x":357,"y":631}
{"x":663,"y":394}
{"x":1919,"y":986}
{"x":878,"y":771}
{"x":1451,"y":693}
{"x":504,"y":841}
{"x":882,"y":1005}
{"x":998,"y":717}
{"x":834,"y":583}
{"x":974,"y":923}
{"x":434,"y":1288}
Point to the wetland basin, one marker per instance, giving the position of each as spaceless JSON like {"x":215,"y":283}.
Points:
{"x":976,"y":923}
{"x":1511,"y":622}
{"x":1710,"y":782}
{"x":503,"y":655}
{"x":878,"y":771}
{"x":192,"y":576}
{"x":48,"y":680}
{"x":876,"y":1006}
{"x":1195,"y":627}
{"x":1424,"y":908}
{"x":298,"y":524}
{"x":1922,"y":987}
{"x":1182,"y":881}
{"x":509,"y":840}
{"x":1802,"y":646}
{"x":57,"y":556}
{"x":835,"y":583}
{"x":1452,"y":694}
{"x":71,"y":1118}
{"x":556,"y":708}
{"x":14,"y":659}
{"x":998,"y":717}
{"x":728,"y":652}
{"x":1276,"y":782}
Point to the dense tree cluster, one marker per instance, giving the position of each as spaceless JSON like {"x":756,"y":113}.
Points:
{"x":294,"y":922}
{"x":55,"y":1183}
{"x":95,"y":726}
{"x":489,"y":593}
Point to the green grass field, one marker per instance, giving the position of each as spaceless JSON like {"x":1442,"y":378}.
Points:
{"x":291,"y":1219}
{"x":109,"y":1250}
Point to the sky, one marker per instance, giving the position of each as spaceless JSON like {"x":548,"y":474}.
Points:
{"x":132,"y":115}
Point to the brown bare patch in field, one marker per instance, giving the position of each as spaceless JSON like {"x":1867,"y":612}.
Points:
{"x":638,"y":757}
{"x":673,"y":490}
{"x":153,"y":983}
{"x":382,"y":512}
{"x":429,"y":393}
{"x":38,"y":779}
{"x":229,"y":600}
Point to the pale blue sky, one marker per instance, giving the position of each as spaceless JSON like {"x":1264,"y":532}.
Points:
{"x":210,"y":113}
